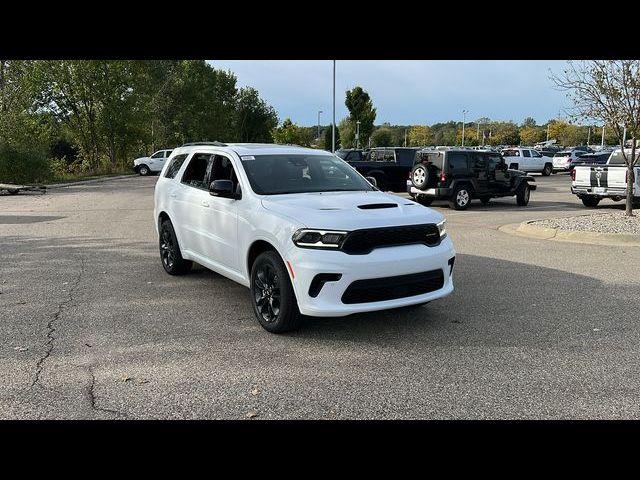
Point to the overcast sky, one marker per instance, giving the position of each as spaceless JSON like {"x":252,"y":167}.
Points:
{"x":406,"y":92}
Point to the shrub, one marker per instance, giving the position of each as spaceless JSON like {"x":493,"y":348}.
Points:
{"x":23,"y":164}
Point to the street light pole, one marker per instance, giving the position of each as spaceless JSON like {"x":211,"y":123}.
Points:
{"x":333,"y":125}
{"x":602,"y":141}
{"x":358,"y":134}
{"x":319,"y":112}
{"x":464,"y":116}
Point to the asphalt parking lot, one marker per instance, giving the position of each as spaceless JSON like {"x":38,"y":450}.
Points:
{"x":92,"y":327}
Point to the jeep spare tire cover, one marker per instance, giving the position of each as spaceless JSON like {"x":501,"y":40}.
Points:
{"x":420,"y":176}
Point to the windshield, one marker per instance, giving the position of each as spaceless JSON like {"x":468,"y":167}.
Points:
{"x":278,"y":174}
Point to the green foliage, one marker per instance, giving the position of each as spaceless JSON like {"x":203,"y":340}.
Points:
{"x":328,"y":138}
{"x":383,"y":137}
{"x":108,"y":112}
{"x":347,"y":133}
{"x":529,"y":122}
{"x":24,"y":164}
{"x":255,"y":118}
{"x":291,"y":134}
{"x":530,"y":135}
{"x":420,"y":136}
{"x":361,"y":109}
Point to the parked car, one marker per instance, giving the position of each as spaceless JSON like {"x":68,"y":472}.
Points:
{"x":461,"y":175}
{"x":527,"y":160}
{"x":390,"y":166}
{"x":562,"y":160}
{"x":153,"y":164}
{"x":592,"y":183}
{"x":599,"y":158}
{"x":301,"y":228}
{"x":351,"y":154}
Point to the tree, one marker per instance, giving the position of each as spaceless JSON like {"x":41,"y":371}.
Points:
{"x":420,"y":136}
{"x":347,"y":133}
{"x":255,"y":119}
{"x":328,"y":138}
{"x":530,"y":135}
{"x":607,"y":91}
{"x":291,"y":134}
{"x":529,"y":122}
{"x":382,"y":137}
{"x":361,"y":109}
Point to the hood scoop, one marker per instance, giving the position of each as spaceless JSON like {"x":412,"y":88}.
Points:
{"x":373,"y":206}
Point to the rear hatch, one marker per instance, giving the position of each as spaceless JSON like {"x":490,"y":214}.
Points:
{"x":562,"y":159}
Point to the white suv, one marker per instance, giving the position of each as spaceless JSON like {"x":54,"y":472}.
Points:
{"x":301,"y":228}
{"x":153,"y":164}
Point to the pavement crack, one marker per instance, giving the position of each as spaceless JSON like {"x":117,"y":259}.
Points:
{"x":93,"y":398}
{"x":51,"y":326}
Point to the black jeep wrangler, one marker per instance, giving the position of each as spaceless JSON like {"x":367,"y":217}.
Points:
{"x":461,"y":175}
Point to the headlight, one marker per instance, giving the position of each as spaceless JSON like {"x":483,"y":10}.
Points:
{"x":308,"y":238}
{"x":442,"y":229}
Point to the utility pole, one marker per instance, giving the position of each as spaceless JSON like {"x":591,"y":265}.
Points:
{"x":547,"y":132}
{"x":464,"y":116}
{"x":478,"y":133}
{"x":602,"y":141}
{"x":358,"y":134}
{"x":319,"y":112}
{"x":333,"y":125}
{"x":589,"y":136}
{"x":405,"y":137}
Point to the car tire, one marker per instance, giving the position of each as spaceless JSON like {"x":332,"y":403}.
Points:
{"x":547,"y":170}
{"x":461,"y":198}
{"x":523,"y":195}
{"x":420,"y":176}
{"x":170,"y":254}
{"x":590,"y":202}
{"x":272,"y":296}
{"x":381,"y":182}
{"x":144,"y":170}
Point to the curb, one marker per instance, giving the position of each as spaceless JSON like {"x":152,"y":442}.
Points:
{"x":89,"y":182}
{"x":526,"y":229}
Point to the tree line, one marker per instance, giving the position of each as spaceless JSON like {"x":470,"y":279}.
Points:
{"x":97,"y":115}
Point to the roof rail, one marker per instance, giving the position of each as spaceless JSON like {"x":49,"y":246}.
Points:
{"x":214,"y":144}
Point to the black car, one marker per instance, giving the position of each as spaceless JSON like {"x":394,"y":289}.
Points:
{"x":599,"y":158}
{"x":390,"y":166}
{"x":461,"y":175}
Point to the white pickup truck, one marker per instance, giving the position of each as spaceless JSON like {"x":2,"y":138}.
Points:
{"x":592,"y":183}
{"x":528,"y":160}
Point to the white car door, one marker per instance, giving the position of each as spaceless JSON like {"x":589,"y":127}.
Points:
{"x":156,"y":161}
{"x":537,"y":161}
{"x":220,"y":219}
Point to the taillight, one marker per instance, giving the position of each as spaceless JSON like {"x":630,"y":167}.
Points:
{"x":443,"y":177}
{"x":573,"y":174}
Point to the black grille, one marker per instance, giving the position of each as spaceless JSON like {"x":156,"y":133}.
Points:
{"x":390,"y":288}
{"x":360,"y":242}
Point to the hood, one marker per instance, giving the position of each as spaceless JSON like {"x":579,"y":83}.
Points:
{"x":140,"y":159}
{"x":350,"y":210}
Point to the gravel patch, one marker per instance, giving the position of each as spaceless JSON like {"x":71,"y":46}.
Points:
{"x":610,"y":222}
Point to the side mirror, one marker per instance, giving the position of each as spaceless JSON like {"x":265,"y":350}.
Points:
{"x":223,"y":188}
{"x":372,"y":181}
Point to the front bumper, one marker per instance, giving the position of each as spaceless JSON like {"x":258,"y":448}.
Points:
{"x":380,"y":263}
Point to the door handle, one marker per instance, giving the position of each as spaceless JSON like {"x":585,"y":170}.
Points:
{"x":205,"y":204}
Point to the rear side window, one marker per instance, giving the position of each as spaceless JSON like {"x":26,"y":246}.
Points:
{"x":405,"y":157}
{"x":457,"y":161}
{"x":433,"y":158}
{"x":174,"y":165}
{"x":195,"y":175}
{"x":382,"y":156}
{"x":525,"y":153}
{"x":511,"y":153}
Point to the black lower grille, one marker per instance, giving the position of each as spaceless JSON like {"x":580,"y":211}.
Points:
{"x":391,"y":288}
{"x":360,"y":242}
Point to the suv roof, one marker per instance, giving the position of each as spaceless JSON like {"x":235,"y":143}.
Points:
{"x":252,"y":148}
